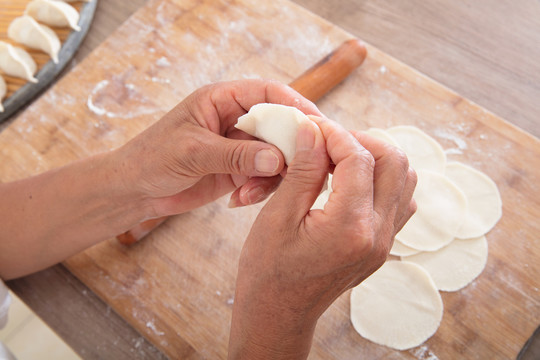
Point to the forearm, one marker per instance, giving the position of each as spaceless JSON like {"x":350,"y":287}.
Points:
{"x":52,"y":216}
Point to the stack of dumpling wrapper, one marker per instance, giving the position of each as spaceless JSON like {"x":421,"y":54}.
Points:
{"x":443,"y":245}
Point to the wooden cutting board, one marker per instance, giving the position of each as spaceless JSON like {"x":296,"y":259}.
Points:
{"x":176,"y":287}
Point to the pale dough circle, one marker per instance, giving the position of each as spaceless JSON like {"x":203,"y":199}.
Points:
{"x":397,"y":306}
{"x":441,"y":212}
{"x":456,"y":265}
{"x":421,"y":149}
{"x":399,"y":249}
{"x":276,"y":124}
{"x":382,"y":135}
{"x":485,"y":204}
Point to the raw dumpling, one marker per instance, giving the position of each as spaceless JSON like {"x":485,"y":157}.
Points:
{"x":15,"y":61}
{"x":276,"y":124}
{"x":75,"y":0}
{"x":3,"y":89}
{"x":27,"y":31}
{"x":54,"y":13}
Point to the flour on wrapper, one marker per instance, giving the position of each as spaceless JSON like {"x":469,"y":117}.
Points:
{"x":27,"y":31}
{"x":17,"y":62}
{"x":54,"y":13}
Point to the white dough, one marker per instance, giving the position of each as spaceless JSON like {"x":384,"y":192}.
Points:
{"x":399,"y":249}
{"x":275,"y":124}
{"x":3,"y":90}
{"x":15,"y":61}
{"x":27,"y":31}
{"x":485,"y":204}
{"x":70,"y":1}
{"x":421,"y":149}
{"x":382,"y":135}
{"x":54,"y":13}
{"x":441,"y":212}
{"x":455,"y":265}
{"x":397,"y":306}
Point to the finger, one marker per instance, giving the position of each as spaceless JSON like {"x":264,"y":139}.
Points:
{"x":305,"y":175}
{"x":255,"y":190}
{"x":352,"y":182}
{"x":214,"y":154}
{"x":407,"y":206}
{"x":391,"y":172}
{"x":218,"y":106}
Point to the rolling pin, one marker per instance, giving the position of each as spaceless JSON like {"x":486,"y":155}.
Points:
{"x":312,"y":84}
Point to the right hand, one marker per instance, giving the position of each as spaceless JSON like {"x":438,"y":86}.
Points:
{"x":296,"y":262}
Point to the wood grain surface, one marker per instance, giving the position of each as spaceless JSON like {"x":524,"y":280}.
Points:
{"x":118,"y":340}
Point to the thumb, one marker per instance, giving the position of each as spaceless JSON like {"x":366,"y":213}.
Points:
{"x":305,"y":175}
{"x":221,"y":155}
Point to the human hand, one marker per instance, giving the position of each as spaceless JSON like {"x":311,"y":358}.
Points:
{"x":296,"y":262}
{"x":194,"y":155}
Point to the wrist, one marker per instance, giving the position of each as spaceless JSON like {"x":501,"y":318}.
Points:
{"x":121,"y":175}
{"x":265,"y":326}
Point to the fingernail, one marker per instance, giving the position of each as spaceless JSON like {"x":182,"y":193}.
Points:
{"x":255,"y":195}
{"x":266,"y":161}
{"x":234,"y":202}
{"x":305,"y":139}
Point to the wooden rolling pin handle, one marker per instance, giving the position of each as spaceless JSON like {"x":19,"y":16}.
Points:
{"x":312,"y":84}
{"x":330,"y":71}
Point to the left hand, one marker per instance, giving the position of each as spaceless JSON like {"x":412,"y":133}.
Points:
{"x":195,"y":155}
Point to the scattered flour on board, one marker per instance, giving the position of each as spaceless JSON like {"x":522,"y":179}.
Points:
{"x":116,"y":99}
{"x":460,"y":143}
{"x":163,"y":62}
{"x":152,"y":326}
{"x":423,"y":353}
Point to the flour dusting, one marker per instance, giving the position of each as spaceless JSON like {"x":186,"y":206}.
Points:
{"x":460,"y":143}
{"x":152,"y":326}
{"x":163,"y":62}
{"x":116,"y":99}
{"x":423,"y":353}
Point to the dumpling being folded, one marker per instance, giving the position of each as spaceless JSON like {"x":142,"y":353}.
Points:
{"x":54,"y":13}
{"x":15,"y":61}
{"x":276,"y":124}
{"x":27,"y":31}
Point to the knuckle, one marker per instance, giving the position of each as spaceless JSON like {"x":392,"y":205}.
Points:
{"x":236,"y":158}
{"x":412,"y":209}
{"x":412,"y":177}
{"x":362,"y":239}
{"x":364,"y":159}
{"x":399,"y":160}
